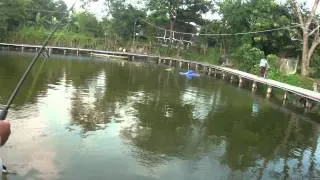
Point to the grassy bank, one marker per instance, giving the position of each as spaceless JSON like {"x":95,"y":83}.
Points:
{"x":296,"y":80}
{"x":213,"y":56}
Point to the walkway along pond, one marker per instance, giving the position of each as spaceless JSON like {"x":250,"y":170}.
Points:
{"x":309,"y":98}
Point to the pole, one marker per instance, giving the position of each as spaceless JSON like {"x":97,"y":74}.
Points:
{"x":105,"y":40}
{"x":134,"y":32}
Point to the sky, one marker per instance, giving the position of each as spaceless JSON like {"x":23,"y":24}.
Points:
{"x":99,"y":9}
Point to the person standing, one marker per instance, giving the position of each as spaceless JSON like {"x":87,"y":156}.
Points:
{"x":263,"y":67}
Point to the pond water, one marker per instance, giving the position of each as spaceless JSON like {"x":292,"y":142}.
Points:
{"x":86,"y":118}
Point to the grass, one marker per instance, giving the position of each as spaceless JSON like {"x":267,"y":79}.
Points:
{"x":296,"y":80}
{"x":212,"y":55}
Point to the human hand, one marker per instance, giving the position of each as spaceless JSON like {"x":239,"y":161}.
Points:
{"x":5,"y":131}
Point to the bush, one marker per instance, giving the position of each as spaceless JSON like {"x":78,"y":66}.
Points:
{"x":212,"y":55}
{"x":249,"y":58}
{"x":274,"y":61}
{"x":315,"y":65}
{"x":273,"y":71}
{"x":34,"y":35}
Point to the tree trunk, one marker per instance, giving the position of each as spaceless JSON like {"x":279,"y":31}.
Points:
{"x":205,"y":48}
{"x":305,"y":59}
{"x":171,"y":30}
{"x":173,"y":18}
{"x":305,"y":25}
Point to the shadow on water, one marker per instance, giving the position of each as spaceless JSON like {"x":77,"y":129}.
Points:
{"x":133,"y":120}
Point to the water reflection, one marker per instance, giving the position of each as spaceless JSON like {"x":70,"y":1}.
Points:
{"x":255,"y":107}
{"x":88,"y":110}
{"x":133,"y":120}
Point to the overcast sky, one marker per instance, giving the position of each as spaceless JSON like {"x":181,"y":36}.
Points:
{"x":98,"y":8}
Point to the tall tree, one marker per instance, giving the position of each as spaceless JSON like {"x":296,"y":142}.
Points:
{"x":257,"y":15}
{"x":186,"y":11}
{"x":123,"y":18}
{"x":310,"y":31}
{"x":86,"y":23}
{"x":43,"y":13}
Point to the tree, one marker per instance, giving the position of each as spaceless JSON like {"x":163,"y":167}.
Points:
{"x":310,"y":31}
{"x":11,"y":16}
{"x":86,"y":23}
{"x":60,"y":7}
{"x":257,"y":15}
{"x":123,"y":18}
{"x":44,"y":13}
{"x":187,"y":11}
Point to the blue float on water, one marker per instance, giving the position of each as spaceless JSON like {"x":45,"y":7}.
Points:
{"x":190,"y":73}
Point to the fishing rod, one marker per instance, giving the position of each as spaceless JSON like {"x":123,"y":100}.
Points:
{"x":4,"y":112}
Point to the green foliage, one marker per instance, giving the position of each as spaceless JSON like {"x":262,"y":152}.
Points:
{"x":11,"y":17}
{"x":211,"y":56}
{"x":179,"y":15}
{"x":244,"y":16}
{"x":273,"y":61}
{"x":248,"y":57}
{"x":86,"y":23}
{"x":123,"y":20}
{"x":295,"y":80}
{"x":315,"y":63}
{"x":33,"y":35}
{"x":273,"y":70}
{"x":41,"y":13}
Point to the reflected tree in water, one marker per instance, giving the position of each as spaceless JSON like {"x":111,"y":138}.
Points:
{"x":45,"y":72}
{"x":164,"y":126}
{"x":88,"y":109}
